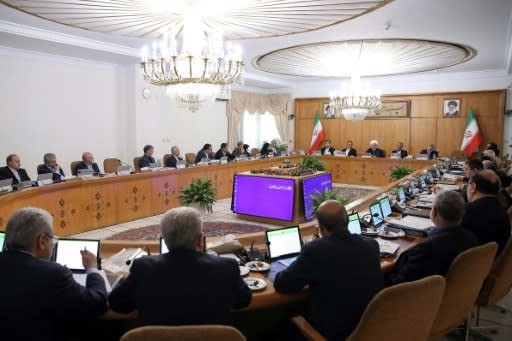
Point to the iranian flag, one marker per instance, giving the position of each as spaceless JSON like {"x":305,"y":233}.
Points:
{"x":318,"y":135}
{"x":472,"y":137}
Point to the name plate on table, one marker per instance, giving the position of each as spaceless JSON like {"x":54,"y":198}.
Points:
{"x":124,"y":170}
{"x":422,"y":157}
{"x":395,"y":157}
{"x":181,"y":164}
{"x":340,"y":154}
{"x":366,"y":155}
{"x":224,"y":160}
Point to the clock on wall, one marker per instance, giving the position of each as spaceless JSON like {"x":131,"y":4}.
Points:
{"x":392,"y":109}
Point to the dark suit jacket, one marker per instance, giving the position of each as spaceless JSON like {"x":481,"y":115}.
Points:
{"x":324,"y":150}
{"x":432,"y":155}
{"x":376,"y":153}
{"x":343,"y":274}
{"x":433,"y":256}
{"x":83,"y":165}
{"x":182,"y":287}
{"x":39,"y":297}
{"x":403,"y":153}
{"x":219,"y":154}
{"x":202,"y":154}
{"x":46,"y":170}
{"x":352,"y":152}
{"x":6,"y":173}
{"x":488,"y":220}
{"x":145,"y":161}
{"x":171,"y":161}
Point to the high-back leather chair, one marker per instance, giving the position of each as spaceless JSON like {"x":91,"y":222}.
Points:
{"x":136,"y":163}
{"x":464,"y":280}
{"x":166,"y":158}
{"x":73,"y":166}
{"x":39,"y":166}
{"x":190,"y":158}
{"x":110,"y":165}
{"x":184,"y":333}
{"x":402,"y":312}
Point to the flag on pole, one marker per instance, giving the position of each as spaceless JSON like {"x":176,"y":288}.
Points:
{"x":472,"y":136}
{"x":318,"y":135}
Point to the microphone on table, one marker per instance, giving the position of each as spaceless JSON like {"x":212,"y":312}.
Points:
{"x":137,"y":255}
{"x":126,"y":165}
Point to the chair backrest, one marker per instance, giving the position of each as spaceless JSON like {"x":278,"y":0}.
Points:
{"x":499,"y":281}
{"x":110,"y":165}
{"x":136,"y":163}
{"x":184,"y":333}
{"x":464,"y":280}
{"x":190,"y":158}
{"x":39,"y":166}
{"x":73,"y":166}
{"x":254,"y":151}
{"x":166,"y":158}
{"x":402,"y":312}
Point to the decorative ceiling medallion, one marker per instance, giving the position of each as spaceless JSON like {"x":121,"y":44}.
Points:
{"x":236,"y":19}
{"x":375,"y":57}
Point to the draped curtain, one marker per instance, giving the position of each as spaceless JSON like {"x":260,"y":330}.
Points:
{"x":278,"y":105}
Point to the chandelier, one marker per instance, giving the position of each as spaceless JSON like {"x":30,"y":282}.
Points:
{"x":196,"y":74}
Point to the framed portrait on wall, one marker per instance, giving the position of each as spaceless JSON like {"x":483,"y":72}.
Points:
{"x":451,"y":107}
{"x":328,"y":111}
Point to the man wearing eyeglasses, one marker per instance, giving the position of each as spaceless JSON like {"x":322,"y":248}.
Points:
{"x":38,"y":297}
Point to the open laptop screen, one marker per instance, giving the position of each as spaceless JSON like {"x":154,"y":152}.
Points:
{"x":422,"y":182}
{"x":68,"y":254}
{"x":385,"y":206}
{"x":354,"y":226}
{"x":401,"y":194}
{"x":376,"y":213}
{"x":283,"y":242}
{"x":2,"y":239}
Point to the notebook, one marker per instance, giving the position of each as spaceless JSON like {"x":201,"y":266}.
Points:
{"x":354,"y":225}
{"x":2,"y":240}
{"x":283,"y":245}
{"x":67,"y":252}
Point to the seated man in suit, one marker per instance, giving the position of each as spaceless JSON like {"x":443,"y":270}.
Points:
{"x":185,"y":285}
{"x":51,"y":166}
{"x":13,"y":170}
{"x":342,"y":271}
{"x":434,"y":255}
{"x":431,"y":152}
{"x":147,"y":158}
{"x":175,"y":157}
{"x":204,"y":153}
{"x":349,"y":151}
{"x":223,"y":152}
{"x":88,"y":163}
{"x":327,"y":148}
{"x":484,"y":215}
{"x":374,"y":149}
{"x":471,"y":167}
{"x":275,"y":148}
{"x":399,"y":149}
{"x":40,"y":297}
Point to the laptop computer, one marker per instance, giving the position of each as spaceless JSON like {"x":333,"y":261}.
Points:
{"x":284,"y":244}
{"x":401,"y":194}
{"x":377,"y":216}
{"x":6,"y":185}
{"x":354,"y":225}
{"x":2,"y":240}
{"x":385,"y":206}
{"x":422,"y":183}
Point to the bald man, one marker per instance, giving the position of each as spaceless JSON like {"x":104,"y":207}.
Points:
{"x":88,"y":163}
{"x":13,"y":170}
{"x":484,"y":215}
{"x":342,"y":271}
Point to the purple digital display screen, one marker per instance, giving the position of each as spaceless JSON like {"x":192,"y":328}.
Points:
{"x":311,"y":186}
{"x":263,"y":197}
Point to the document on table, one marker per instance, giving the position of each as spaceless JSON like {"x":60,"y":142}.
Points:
{"x":385,"y":246}
{"x":417,"y":223}
{"x":448,"y":187}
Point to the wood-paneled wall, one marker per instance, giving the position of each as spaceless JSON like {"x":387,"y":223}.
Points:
{"x":425,"y":125}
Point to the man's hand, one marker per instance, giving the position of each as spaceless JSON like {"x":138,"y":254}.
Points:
{"x":88,"y":259}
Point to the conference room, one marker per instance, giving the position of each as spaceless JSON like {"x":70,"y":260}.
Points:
{"x":116,"y":112}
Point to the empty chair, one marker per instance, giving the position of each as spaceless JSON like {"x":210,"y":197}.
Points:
{"x":110,"y":165}
{"x":73,"y":166}
{"x":165,"y":159}
{"x":404,"y":311}
{"x":184,"y":333}
{"x":190,"y":158}
{"x":136,"y":163}
{"x":464,"y":280}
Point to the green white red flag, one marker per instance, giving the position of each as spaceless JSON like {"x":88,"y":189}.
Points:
{"x":472,"y":136}
{"x":318,"y":135}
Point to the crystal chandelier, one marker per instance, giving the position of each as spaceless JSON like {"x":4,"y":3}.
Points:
{"x":195,"y":75}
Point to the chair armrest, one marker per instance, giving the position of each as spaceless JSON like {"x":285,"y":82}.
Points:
{"x":307,"y":329}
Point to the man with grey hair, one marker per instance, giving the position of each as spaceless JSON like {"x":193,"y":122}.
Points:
{"x":434,"y":255}
{"x":185,"y":285}
{"x":88,"y":163}
{"x":175,"y":157}
{"x":13,"y":170}
{"x":38,"y":296}
{"x":400,"y":150}
{"x":51,"y":167}
{"x":431,"y":152}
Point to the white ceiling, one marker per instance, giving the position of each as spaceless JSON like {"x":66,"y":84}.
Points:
{"x":485,"y":26}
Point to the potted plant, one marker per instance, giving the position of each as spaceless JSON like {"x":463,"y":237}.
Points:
{"x":200,"y":192}
{"x":399,"y":172}
{"x":326,"y":194}
{"x":312,"y":162}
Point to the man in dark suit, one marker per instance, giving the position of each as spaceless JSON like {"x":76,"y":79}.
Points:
{"x":374,"y":149}
{"x":147,"y":158}
{"x":51,"y":166}
{"x":88,"y":163}
{"x":431,"y":152}
{"x":184,"y":286}
{"x":39,"y":298}
{"x":434,"y":255}
{"x":349,"y":151}
{"x":327,"y":149}
{"x":399,"y":149}
{"x":484,"y":215}
{"x":223,"y":152}
{"x":342,"y":271}
{"x":13,"y":170}
{"x":175,"y":157}
{"x":204,"y":153}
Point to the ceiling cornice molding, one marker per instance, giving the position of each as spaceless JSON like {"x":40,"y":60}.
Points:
{"x":67,"y":39}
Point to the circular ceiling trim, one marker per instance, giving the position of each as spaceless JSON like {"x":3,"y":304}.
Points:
{"x":251,"y":19}
{"x":372,"y":57}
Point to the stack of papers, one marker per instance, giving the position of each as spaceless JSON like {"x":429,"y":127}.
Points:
{"x":412,"y":222}
{"x":385,"y":246}
{"x":448,"y":187}
{"x":82,"y":279}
